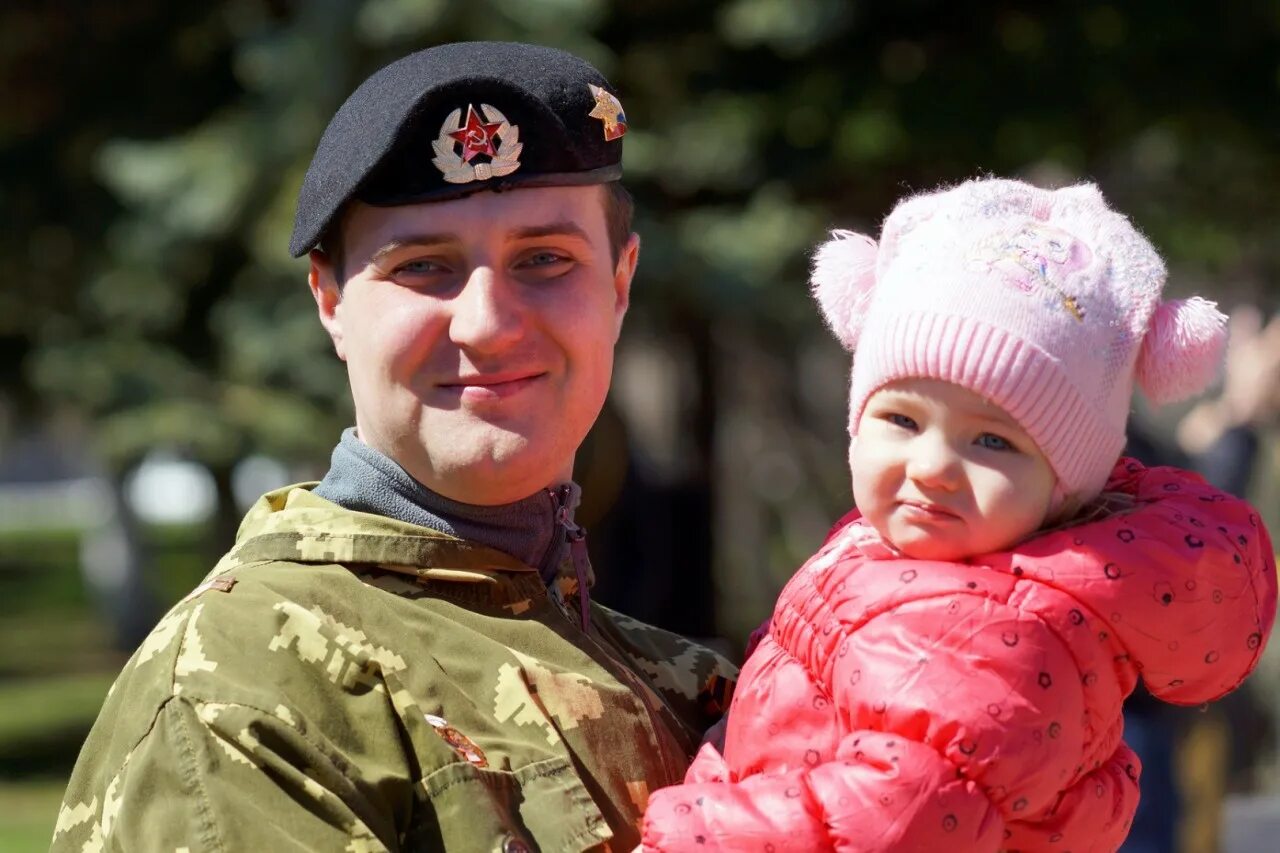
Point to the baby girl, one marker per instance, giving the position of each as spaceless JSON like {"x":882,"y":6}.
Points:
{"x":947,"y":672}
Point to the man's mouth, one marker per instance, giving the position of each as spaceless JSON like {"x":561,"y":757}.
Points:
{"x":492,"y":386}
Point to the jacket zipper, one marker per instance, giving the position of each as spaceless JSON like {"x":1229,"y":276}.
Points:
{"x":576,"y":535}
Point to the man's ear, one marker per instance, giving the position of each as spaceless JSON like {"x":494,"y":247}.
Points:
{"x":328,"y":295}
{"x":622,"y":275}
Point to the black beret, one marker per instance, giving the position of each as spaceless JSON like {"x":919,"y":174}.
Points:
{"x":457,"y":119}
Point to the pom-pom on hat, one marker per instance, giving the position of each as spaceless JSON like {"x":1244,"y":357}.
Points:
{"x":1046,"y":302}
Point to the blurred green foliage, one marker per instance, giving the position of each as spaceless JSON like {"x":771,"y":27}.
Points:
{"x":150,"y":154}
{"x":40,"y":574}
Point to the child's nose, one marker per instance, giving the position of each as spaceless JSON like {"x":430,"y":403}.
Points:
{"x":934,"y":463}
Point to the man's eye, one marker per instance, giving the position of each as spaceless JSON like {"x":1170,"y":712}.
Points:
{"x":420,"y":266}
{"x":993,"y":442}
{"x":543,"y":259}
{"x":901,"y":421}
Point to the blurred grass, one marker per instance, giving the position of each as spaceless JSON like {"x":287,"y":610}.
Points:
{"x":40,"y":715}
{"x":57,"y":660}
{"x":55,"y":642}
{"x":43,"y":721}
{"x":28,"y":812}
{"x":39,"y":570}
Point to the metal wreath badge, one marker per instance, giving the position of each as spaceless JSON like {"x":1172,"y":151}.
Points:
{"x":477,"y":136}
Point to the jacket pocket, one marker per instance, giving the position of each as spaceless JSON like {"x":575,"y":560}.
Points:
{"x":540,"y":806}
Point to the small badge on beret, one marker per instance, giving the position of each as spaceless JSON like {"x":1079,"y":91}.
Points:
{"x":609,"y":110}
{"x":477,"y":136}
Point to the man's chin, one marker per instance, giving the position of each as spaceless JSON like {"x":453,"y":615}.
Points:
{"x":506,"y":469}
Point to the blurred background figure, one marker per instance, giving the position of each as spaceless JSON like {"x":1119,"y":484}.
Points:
{"x":154,"y":337}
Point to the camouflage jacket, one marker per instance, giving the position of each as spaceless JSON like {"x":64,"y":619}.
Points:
{"x":343,"y":681}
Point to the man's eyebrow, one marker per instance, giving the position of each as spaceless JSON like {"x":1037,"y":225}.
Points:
{"x":551,"y":229}
{"x":418,"y":240}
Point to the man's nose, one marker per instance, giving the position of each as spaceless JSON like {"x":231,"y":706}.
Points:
{"x":487,"y":314}
{"x":934,"y":463}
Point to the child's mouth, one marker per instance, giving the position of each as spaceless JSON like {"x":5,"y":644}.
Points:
{"x":926,"y":511}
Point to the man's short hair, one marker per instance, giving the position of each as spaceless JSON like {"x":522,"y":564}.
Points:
{"x":619,"y":208}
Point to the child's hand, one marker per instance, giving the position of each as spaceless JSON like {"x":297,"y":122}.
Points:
{"x":715,"y":734}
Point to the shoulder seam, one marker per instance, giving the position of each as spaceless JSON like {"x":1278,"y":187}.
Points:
{"x":206,"y":825}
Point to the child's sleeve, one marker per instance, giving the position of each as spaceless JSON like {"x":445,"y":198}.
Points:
{"x":1186,"y":581}
{"x":1210,"y":599}
{"x":960,"y":751}
{"x":882,"y":793}
{"x":873,"y":797}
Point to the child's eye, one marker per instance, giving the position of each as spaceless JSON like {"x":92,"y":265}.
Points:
{"x":901,"y":421}
{"x":993,"y":442}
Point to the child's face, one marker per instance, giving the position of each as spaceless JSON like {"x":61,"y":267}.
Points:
{"x":944,"y":474}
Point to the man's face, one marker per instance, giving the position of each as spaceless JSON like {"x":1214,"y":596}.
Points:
{"x":478,"y":333}
{"x":943,"y":474}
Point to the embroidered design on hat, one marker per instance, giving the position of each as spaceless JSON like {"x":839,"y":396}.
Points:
{"x":609,"y":110}
{"x":1032,"y":258}
{"x":477,"y":136}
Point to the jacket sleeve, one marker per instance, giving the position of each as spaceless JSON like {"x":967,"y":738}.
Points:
{"x":1094,"y":814}
{"x":696,"y":682}
{"x":215,"y":737}
{"x":1185,"y":579}
{"x":220,"y":777}
{"x":1207,"y":568}
{"x":961,"y":708}
{"x":882,"y":794}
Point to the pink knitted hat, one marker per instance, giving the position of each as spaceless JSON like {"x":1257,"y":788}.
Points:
{"x":1045,"y":302}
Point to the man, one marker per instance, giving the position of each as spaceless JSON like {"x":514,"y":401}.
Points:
{"x":404,"y":656}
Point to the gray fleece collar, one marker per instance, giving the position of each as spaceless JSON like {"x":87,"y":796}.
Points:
{"x":532,"y":530}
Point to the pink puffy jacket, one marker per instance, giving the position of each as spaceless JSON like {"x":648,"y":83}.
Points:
{"x":911,"y":705}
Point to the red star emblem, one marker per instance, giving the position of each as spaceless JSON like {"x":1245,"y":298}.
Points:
{"x":476,"y":136}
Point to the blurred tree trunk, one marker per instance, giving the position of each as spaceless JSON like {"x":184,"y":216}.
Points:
{"x":226,"y":516}
{"x":115,"y":563}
